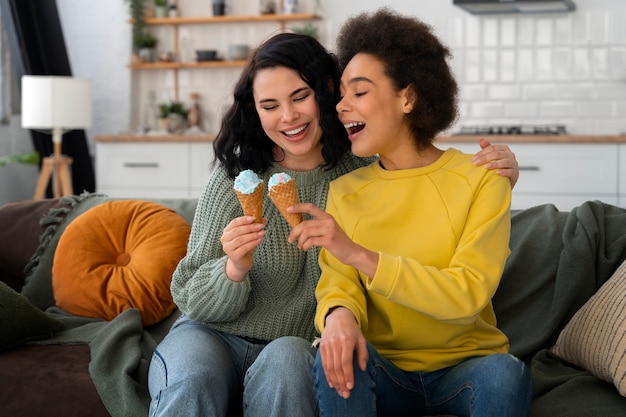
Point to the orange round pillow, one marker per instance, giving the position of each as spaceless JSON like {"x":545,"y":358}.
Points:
{"x":119,"y":255}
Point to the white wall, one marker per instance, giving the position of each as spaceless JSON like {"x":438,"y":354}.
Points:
{"x":565,"y":68}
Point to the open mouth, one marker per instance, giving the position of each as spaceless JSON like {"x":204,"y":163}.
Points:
{"x":354,"y":127}
{"x":296,"y":131}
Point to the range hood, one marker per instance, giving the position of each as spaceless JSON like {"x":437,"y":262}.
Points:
{"x":515,"y":6}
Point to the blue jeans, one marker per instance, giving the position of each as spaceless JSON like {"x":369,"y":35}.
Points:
{"x":497,"y":385}
{"x":198,"y":371}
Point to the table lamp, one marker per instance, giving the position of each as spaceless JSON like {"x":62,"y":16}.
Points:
{"x":58,"y":104}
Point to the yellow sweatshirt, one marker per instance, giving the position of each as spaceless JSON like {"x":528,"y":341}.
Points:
{"x":442,"y":234}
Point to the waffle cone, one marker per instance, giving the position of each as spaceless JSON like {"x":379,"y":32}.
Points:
{"x":285,"y":195}
{"x":252,"y":204}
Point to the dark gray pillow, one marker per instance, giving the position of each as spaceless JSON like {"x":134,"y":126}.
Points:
{"x":20,"y":321}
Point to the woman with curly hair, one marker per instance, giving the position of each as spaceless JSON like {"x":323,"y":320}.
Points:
{"x":247,"y":296}
{"x":413,"y":245}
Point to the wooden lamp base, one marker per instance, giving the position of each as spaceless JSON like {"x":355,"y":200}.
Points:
{"x":57,"y":168}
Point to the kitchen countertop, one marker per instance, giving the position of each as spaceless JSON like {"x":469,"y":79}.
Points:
{"x":454,"y":138}
{"x":535,"y":138}
{"x":131,"y":137}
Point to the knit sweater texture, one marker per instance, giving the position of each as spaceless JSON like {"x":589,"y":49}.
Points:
{"x":277,"y":297}
{"x":442,"y":234}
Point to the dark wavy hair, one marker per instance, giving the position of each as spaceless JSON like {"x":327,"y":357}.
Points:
{"x":412,"y":56}
{"x":241,"y":142}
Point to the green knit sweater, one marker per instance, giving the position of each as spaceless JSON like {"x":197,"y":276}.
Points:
{"x":277,"y":297}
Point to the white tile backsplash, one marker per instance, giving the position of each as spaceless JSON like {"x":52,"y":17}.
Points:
{"x":543,"y":64}
{"x":556,"y":68}
{"x":525,"y":31}
{"x":525,"y":64}
{"x":521,"y":110}
{"x":490,"y":65}
{"x":599,"y":27}
{"x":600,"y":63}
{"x":507,"y":32}
{"x":544,"y":32}
{"x":487,"y":110}
{"x":562,"y":64}
{"x":595,"y":110}
{"x":503,"y":92}
{"x":539,"y":91}
{"x":562,"y":30}
{"x":617,"y":27}
{"x":580,"y":29}
{"x":582,"y":64}
{"x":490,"y":33}
{"x":507,"y":66}
{"x":550,"y":110}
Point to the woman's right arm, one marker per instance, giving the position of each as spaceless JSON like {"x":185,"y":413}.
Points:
{"x":200,"y":286}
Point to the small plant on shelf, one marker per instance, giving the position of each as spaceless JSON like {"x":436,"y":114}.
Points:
{"x":307,"y":29}
{"x":160,"y":8}
{"x":173,"y":116}
{"x":173,"y":107}
{"x":146,"y":41}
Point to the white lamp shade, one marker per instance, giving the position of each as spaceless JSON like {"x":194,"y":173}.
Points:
{"x":50,"y":102}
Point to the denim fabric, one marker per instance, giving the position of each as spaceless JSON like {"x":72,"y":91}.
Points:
{"x":498,"y":385}
{"x":198,"y":371}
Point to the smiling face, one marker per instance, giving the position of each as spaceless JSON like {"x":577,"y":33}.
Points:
{"x":372,"y":110}
{"x":289,"y":115}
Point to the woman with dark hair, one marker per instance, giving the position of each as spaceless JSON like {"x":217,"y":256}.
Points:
{"x":414,"y":245}
{"x":247,"y":296}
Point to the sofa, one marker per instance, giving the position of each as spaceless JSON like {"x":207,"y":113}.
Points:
{"x":84,"y":300}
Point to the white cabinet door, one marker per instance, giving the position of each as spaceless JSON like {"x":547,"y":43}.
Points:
{"x":565,"y":174}
{"x":142,"y":170}
{"x":201,"y":165}
{"x":622,"y":176}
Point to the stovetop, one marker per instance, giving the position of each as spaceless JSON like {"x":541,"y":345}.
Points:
{"x":513,"y":130}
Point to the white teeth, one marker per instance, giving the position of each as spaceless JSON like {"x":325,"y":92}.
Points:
{"x":353,"y":124}
{"x":296,"y":131}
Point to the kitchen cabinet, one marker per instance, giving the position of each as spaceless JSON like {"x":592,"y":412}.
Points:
{"x":562,"y":173}
{"x":622,"y":175}
{"x":129,"y":167}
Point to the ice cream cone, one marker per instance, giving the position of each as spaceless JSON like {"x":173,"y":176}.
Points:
{"x":284,"y":195}
{"x":252,"y":204}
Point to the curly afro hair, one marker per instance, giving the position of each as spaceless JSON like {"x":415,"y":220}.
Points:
{"x":412,"y":56}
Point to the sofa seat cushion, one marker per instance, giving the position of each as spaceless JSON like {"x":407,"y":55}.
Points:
{"x":51,"y":380}
{"x":119,"y":255}
{"x":595,"y":338}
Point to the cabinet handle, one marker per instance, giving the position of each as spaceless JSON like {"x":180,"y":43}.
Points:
{"x":529,"y":168}
{"x":141,"y":165}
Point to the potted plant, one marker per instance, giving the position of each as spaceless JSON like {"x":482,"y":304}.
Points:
{"x":173,"y":116}
{"x":145,"y":47}
{"x":307,"y":29}
{"x":30,"y":158}
{"x":160,"y":8}
{"x":137,"y":13}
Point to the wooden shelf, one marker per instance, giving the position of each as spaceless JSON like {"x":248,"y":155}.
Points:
{"x":131,"y":137}
{"x":176,"y":22}
{"x":187,"y":65}
{"x":230,"y":19}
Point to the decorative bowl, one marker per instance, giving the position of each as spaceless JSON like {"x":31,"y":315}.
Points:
{"x":206,"y":55}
